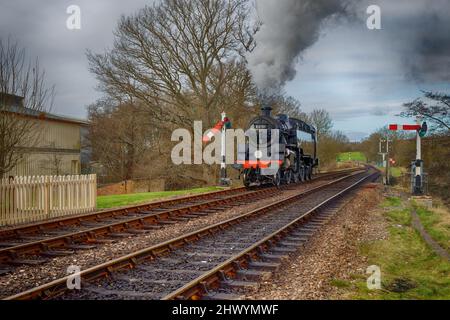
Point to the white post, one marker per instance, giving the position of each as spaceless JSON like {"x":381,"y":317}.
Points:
{"x":418,"y":174}
{"x":223,"y":167}
{"x":418,"y":144}
{"x":418,"y":154}
{"x":223,"y":147}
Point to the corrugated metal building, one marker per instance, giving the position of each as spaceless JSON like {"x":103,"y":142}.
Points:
{"x":56,"y":151}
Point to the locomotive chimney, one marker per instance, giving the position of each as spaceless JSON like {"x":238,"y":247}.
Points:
{"x":266,"y":109}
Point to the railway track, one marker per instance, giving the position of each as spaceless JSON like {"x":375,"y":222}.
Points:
{"x":33,"y":244}
{"x":228,"y":255}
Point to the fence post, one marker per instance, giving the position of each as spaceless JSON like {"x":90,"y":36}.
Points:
{"x":94,"y":190}
{"x":34,"y":198}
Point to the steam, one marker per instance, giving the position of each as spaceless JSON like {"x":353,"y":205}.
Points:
{"x":288,"y":28}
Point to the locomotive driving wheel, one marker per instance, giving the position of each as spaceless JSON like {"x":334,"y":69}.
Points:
{"x":246,"y":180}
{"x":308,"y":173}
{"x":277,"y":179}
{"x":301,"y":173}
{"x":294,"y":177}
{"x":287,"y":176}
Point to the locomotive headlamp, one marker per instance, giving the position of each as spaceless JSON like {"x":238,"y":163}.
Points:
{"x":258,"y":154}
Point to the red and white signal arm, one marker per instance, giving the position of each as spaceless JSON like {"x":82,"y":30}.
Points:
{"x":405,"y":127}
{"x":216,"y":129}
{"x":421,"y":129}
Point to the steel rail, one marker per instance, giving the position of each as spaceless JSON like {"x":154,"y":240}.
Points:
{"x":213,"y":278}
{"x":38,"y":227}
{"x":91,"y":235}
{"x":129,"y":261}
{"x":69,"y":240}
{"x":74,"y":220}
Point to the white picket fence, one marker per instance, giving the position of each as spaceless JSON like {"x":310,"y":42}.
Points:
{"x":35,"y":198}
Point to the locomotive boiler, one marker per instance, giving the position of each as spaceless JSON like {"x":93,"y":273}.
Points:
{"x":278,"y":150}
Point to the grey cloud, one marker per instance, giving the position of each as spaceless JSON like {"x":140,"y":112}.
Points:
{"x":288,"y":28}
{"x":415,"y":37}
{"x":40,"y":27}
{"x":356,"y":135}
{"x":418,"y":31}
{"x":380,"y":111}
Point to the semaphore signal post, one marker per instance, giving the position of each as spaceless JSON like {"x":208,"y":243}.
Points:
{"x":384,"y":152}
{"x":221,"y":127}
{"x":417,"y":172}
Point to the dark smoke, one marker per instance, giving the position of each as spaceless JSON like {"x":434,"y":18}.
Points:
{"x":288,"y":28}
{"x":419,"y":31}
{"x":429,"y":58}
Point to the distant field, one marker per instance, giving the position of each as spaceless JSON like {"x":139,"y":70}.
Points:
{"x":351,"y":156}
{"x":104,"y":202}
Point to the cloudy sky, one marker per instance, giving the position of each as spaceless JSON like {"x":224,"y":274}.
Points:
{"x":360,"y":76}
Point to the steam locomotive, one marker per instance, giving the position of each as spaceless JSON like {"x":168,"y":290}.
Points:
{"x":278,"y":150}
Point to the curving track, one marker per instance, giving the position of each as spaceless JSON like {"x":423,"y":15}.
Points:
{"x":210,"y":262}
{"x":33,"y":244}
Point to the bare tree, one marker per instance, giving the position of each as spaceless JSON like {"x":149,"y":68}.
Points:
{"x":54,"y":164}
{"x":330,"y":145}
{"x":290,"y":106}
{"x":120,"y":137}
{"x":22,"y":94}
{"x":321,"y":120}
{"x":177,"y":57}
{"x":437,"y":113}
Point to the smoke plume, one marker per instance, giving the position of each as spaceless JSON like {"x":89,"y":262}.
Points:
{"x":288,"y":28}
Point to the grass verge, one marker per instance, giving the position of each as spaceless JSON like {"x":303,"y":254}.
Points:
{"x":104,"y":202}
{"x":409,"y":267}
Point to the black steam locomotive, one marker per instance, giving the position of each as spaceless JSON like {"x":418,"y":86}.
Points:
{"x":278,"y":150}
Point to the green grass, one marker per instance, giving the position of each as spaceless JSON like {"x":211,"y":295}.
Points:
{"x":104,"y":202}
{"x":437,"y":224}
{"x":340,"y":283}
{"x":396,"y":171}
{"x":391,"y":202}
{"x":351,"y":156}
{"x":405,"y":260}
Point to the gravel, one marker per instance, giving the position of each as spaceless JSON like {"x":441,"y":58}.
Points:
{"x":190,"y":257}
{"x":332,"y":253}
{"x":27,"y":277}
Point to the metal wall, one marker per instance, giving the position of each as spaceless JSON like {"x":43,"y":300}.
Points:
{"x":55,"y":163}
{"x":53,"y":149}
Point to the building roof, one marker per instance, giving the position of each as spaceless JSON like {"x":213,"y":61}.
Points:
{"x":17,"y":107}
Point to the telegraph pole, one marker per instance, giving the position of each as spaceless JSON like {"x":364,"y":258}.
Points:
{"x":417,"y":172}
